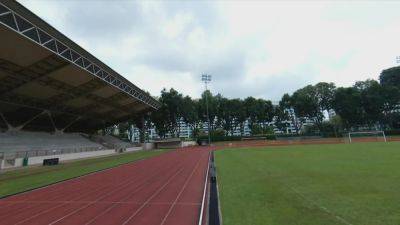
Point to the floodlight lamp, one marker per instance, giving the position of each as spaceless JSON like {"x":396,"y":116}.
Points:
{"x":206,"y":77}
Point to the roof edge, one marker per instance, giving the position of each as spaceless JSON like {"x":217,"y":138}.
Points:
{"x":66,"y":48}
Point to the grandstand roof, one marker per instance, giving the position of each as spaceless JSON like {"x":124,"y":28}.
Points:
{"x":42,"y":70}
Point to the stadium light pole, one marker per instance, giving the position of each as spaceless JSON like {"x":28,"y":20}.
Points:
{"x":206,"y":78}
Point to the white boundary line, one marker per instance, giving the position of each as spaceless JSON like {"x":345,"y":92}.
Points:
{"x":153,"y":195}
{"x":326,"y":210}
{"x":219,"y":202}
{"x":123,"y":185}
{"x":181,"y":191}
{"x":204,"y":191}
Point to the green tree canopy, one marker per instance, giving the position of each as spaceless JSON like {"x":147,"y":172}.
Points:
{"x":305,"y":103}
{"x":390,"y":77}
{"x":348,"y":105}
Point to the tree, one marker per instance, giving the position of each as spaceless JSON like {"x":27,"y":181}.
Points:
{"x":372,"y":100}
{"x":286,"y":112}
{"x":281,"y":117}
{"x":259,"y":129}
{"x":166,"y":119}
{"x":265,"y":112}
{"x":391,"y":106}
{"x":312,"y":101}
{"x":348,"y":105}
{"x":172,"y":100}
{"x":325,"y":93}
{"x":160,"y":120}
{"x":213,"y":105}
{"x":305,"y":102}
{"x":190,"y":113}
{"x":390,"y":80}
{"x":123,"y":129}
{"x":258,"y":111}
{"x":143,"y":123}
{"x":390,"y":77}
{"x":252,"y":111}
{"x":225,"y":114}
{"x":238,"y":114}
{"x":337,"y":124}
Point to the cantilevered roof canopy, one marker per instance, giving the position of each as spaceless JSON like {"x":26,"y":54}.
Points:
{"x":42,"y":73}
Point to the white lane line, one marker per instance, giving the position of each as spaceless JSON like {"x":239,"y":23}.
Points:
{"x":123,"y":184}
{"x":204,"y":191}
{"x":104,"y":196}
{"x":55,"y":207}
{"x":74,"y":179}
{"x":326,"y":210}
{"x":127,"y":197}
{"x":152,"y":196}
{"x":109,"y":202}
{"x":181,"y":191}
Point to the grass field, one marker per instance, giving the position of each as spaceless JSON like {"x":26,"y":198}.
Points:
{"x":25,"y":179}
{"x":357,"y":184}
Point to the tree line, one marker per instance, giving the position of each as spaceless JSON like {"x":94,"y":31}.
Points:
{"x":369,"y":104}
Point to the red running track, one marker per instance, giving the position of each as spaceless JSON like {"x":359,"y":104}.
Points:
{"x":163,"y":190}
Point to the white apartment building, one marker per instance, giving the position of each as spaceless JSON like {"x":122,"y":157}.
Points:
{"x":186,"y":131}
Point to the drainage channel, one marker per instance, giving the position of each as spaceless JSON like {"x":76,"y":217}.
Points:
{"x":214,"y":217}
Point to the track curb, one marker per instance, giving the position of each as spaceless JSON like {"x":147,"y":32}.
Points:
{"x":214,"y":211}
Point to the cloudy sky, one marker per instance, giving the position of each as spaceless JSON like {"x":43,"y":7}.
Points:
{"x":260,"y":48}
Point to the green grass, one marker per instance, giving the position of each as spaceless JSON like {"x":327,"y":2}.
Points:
{"x":25,"y":179}
{"x":356,"y":184}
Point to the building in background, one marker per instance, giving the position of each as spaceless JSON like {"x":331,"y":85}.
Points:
{"x":186,"y":131}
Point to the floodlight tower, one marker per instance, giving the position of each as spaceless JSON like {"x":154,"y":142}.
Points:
{"x":206,"y":78}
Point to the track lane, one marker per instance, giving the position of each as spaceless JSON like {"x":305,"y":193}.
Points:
{"x":66,"y":190}
{"x":93,"y":199}
{"x":154,"y":213}
{"x":163,"y":188}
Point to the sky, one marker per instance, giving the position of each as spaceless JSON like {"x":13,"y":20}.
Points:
{"x":251,"y":48}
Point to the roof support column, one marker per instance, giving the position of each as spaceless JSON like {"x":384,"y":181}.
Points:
{"x":28,"y":121}
{"x":56,"y":130}
{"x":141,"y":129}
{"x":70,"y":124}
{"x":20,"y":127}
{"x":5,"y":121}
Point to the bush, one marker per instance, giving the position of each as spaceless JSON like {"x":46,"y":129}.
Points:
{"x":219,"y":138}
{"x":218,"y":133}
{"x":233,"y":138}
{"x":260,"y":130}
{"x":271,"y":137}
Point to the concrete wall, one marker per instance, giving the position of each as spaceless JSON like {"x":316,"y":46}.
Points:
{"x":16,"y":163}
{"x":188,"y":143}
{"x":148,"y":146}
{"x":63,"y":157}
{"x":132,"y":149}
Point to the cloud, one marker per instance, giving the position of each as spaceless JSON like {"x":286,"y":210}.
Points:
{"x":259,"y":48}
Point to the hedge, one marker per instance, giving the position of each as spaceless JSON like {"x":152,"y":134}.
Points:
{"x":234,"y":138}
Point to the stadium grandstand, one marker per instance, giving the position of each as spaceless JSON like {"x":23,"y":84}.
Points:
{"x":53,"y":92}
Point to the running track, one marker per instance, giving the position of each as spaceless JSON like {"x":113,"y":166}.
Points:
{"x":163,"y":190}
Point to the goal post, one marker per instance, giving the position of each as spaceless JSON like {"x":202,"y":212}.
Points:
{"x":366,"y":134}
